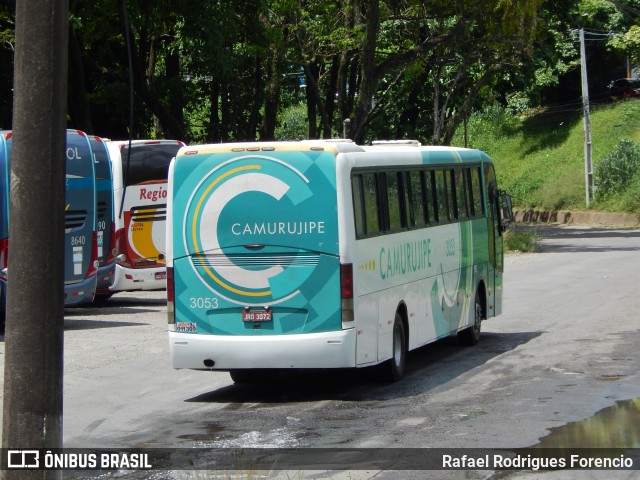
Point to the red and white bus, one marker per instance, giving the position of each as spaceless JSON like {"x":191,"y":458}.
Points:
{"x":140,"y":170}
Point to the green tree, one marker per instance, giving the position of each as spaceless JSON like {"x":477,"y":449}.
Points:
{"x":6,"y":63}
{"x":437,"y":59}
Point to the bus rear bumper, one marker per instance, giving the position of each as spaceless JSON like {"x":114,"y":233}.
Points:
{"x":139,"y":279}
{"x":310,"y":350}
{"x":106,"y":276}
{"x":80,"y":293}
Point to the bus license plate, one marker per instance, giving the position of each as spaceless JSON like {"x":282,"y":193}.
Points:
{"x":161,"y":275}
{"x":257,"y":316}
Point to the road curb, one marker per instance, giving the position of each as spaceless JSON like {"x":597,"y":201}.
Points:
{"x":608,"y":219}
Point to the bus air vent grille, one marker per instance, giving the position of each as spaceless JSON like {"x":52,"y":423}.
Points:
{"x":74,"y":219}
{"x":102,"y":209}
{"x":256,"y":261}
{"x":154,"y":213}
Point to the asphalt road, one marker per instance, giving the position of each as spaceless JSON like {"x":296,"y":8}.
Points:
{"x":558,"y":368}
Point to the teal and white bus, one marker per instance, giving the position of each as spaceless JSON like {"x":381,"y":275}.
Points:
{"x":327,"y":254}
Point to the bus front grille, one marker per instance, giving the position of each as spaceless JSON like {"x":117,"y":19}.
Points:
{"x":154,"y":213}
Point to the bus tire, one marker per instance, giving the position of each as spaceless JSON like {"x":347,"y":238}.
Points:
{"x":243,"y":376}
{"x":101,"y":297}
{"x":470,"y":336}
{"x":393,"y":369}
{"x":254,"y":376}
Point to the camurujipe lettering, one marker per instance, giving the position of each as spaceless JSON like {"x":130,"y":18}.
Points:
{"x":278,"y":228}
{"x":405,"y":258}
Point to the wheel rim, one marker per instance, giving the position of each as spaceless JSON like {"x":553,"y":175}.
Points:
{"x":397,"y":347}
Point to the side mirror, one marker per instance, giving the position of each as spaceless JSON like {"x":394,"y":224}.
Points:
{"x":506,"y":210}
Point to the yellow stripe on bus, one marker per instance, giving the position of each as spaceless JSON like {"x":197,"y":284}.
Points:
{"x":194,"y":235}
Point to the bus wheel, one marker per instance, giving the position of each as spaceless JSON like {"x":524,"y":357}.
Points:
{"x":243,"y":376}
{"x":394,"y":367}
{"x":471,"y":335}
{"x":100,"y":298}
{"x":254,"y":376}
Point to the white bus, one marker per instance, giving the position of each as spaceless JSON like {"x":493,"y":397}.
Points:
{"x":322,"y":255}
{"x":140,"y":205}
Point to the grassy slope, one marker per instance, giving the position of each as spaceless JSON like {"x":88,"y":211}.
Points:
{"x":540,"y":158}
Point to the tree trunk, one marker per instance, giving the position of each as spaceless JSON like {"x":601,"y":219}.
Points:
{"x":78,"y":105}
{"x":369,"y":79}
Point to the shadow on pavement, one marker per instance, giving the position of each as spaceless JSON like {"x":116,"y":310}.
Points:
{"x":426,"y":368}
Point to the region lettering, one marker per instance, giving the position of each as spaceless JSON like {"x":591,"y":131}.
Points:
{"x":152,"y":195}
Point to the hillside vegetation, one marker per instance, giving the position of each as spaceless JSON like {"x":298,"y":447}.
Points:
{"x":540,"y":156}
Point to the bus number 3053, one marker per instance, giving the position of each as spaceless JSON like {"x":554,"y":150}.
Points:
{"x":206,"y":303}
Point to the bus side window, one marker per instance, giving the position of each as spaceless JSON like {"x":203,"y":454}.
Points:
{"x":405,"y":203}
{"x":429,"y":180}
{"x":476,"y":191}
{"x":442,"y":198}
{"x":395,"y":204}
{"x":490,"y":189}
{"x":416,"y":199}
{"x":371,"y":208}
{"x":358,"y":206}
{"x":461,"y":194}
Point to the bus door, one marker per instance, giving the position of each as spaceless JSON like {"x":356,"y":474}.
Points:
{"x":80,"y":244}
{"x":496,"y":244}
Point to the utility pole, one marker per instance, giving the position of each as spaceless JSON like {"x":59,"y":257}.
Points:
{"x":32,"y":416}
{"x":588,"y":166}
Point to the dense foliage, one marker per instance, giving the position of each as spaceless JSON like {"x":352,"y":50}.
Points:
{"x":540,"y":155}
{"x":211,"y":71}
{"x":616,"y":170}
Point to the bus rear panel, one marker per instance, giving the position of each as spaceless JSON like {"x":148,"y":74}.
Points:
{"x":80,"y":242}
{"x":255,"y":266}
{"x":140,"y":194}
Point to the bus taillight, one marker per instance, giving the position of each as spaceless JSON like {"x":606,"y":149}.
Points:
{"x":346,"y":294}
{"x":171,"y":319}
{"x":121,"y":247}
{"x":4,"y":250}
{"x":93,"y":264}
{"x":346,"y":281}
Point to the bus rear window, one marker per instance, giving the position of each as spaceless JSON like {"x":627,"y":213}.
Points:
{"x":78,"y":155}
{"x":147,"y":162}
